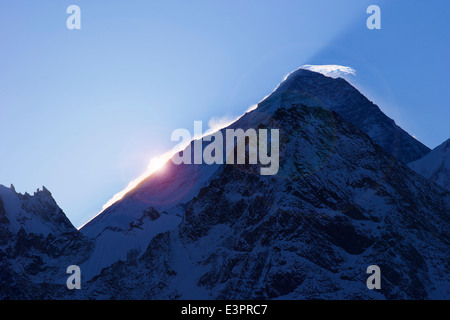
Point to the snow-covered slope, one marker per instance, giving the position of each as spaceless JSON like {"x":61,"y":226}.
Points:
{"x":435,"y":165}
{"x":153,"y":207}
{"x":338,"y":204}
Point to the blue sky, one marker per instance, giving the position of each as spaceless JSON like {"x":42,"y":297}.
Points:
{"x":83,"y":111}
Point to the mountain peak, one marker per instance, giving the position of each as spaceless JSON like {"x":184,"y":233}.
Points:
{"x":315,"y":74}
{"x":44,"y":191}
{"x":38,"y":213}
{"x":324,"y":86}
{"x":303,"y":78}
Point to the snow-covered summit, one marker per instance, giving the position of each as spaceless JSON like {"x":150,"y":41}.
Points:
{"x":314,"y":89}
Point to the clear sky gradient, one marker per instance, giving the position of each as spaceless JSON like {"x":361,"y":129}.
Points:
{"x":83,"y":111}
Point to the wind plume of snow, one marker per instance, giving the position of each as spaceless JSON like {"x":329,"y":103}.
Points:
{"x":330,"y":70}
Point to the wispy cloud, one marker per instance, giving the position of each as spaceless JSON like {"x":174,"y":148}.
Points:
{"x":331,"y":70}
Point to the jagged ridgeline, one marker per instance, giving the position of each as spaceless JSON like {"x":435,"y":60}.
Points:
{"x":342,"y":200}
{"x":37,"y":244}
